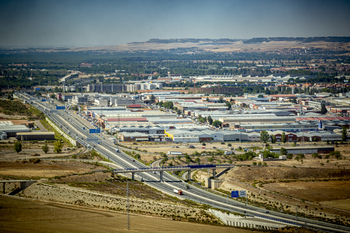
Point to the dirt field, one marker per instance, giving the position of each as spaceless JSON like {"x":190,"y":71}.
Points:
{"x":44,"y":169}
{"x":21,"y":215}
{"x":315,"y":191}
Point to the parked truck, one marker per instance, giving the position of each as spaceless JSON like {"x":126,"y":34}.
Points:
{"x":174,"y":153}
{"x":178,"y":191}
{"x":228,"y":152}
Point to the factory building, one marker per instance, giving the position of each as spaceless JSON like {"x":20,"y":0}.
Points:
{"x":35,"y":136}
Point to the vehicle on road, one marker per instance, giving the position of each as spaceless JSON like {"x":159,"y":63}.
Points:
{"x":174,"y":153}
{"x":178,"y":191}
{"x":116,"y":150}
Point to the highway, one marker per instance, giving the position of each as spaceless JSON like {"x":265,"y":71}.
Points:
{"x":70,"y":123}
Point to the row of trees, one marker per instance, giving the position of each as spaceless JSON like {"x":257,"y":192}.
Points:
{"x":58,"y":145}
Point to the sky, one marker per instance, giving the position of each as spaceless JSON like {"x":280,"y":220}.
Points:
{"x":77,"y":23}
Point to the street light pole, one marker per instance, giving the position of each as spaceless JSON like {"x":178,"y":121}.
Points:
{"x":127,"y":208}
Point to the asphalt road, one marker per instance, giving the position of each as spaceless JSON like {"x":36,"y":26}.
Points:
{"x":70,"y":124}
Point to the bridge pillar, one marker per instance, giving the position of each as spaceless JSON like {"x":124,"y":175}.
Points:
{"x":133,"y":175}
{"x":160,"y":176}
{"x":214,"y":171}
{"x":189,"y":175}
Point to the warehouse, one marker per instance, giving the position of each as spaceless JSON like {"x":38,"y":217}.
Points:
{"x":35,"y":136}
{"x":12,"y":130}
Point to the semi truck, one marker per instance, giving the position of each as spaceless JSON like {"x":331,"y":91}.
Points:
{"x":174,"y":153}
{"x":178,"y":191}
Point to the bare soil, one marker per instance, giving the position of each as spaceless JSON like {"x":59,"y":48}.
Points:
{"x":43,"y":169}
{"x":22,"y":215}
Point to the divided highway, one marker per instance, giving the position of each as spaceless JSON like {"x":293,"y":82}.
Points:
{"x":70,"y":123}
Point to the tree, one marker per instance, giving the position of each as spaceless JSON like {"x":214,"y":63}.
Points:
{"x":217,"y":123}
{"x":273,"y":138}
{"x":153,"y":99}
{"x":283,"y":151}
{"x":45,"y":148}
{"x":344,"y":134}
{"x":323,"y":109}
{"x":284,"y":138}
{"x":197,"y":160}
{"x":210,"y":120}
{"x":228,"y":104}
{"x":58,"y":146}
{"x":221,"y":99}
{"x":17,"y":146}
{"x":264,"y":136}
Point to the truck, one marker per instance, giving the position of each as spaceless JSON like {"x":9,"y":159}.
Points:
{"x":174,"y":153}
{"x":178,"y":191}
{"x":116,"y":150}
{"x":228,"y":152}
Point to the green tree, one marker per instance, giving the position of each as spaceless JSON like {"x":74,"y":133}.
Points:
{"x":45,"y":148}
{"x":17,"y":146}
{"x":221,"y":99}
{"x":283,"y":151}
{"x":217,"y":123}
{"x":210,"y":120}
{"x":153,"y":99}
{"x":228,"y":104}
{"x":323,"y":109}
{"x":197,"y":160}
{"x":58,"y":146}
{"x":273,"y":138}
{"x":344,"y":134}
{"x":284,"y":138}
{"x":264,"y":136}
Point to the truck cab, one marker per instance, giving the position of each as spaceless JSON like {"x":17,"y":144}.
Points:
{"x":178,"y":191}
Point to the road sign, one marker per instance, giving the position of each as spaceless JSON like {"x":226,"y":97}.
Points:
{"x":91,"y":139}
{"x":234,"y":194}
{"x":95,"y":131}
{"x":242,"y":193}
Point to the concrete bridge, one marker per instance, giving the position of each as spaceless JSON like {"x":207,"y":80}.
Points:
{"x":23,"y":185}
{"x":213,"y":167}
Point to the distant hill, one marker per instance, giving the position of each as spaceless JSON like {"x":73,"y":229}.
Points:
{"x":301,"y":39}
{"x":188,"y":40}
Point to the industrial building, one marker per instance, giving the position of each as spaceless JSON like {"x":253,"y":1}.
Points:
{"x":132,"y":137}
{"x":35,"y":136}
{"x":12,"y":130}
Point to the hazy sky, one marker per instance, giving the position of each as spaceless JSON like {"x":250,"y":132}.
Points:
{"x":93,"y":23}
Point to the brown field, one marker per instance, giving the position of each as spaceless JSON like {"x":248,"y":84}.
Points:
{"x":238,"y":46}
{"x":321,"y":191}
{"x":340,"y":204}
{"x":44,"y":169}
{"x":21,"y":215}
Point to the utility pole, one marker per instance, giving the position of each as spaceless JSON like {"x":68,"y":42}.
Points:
{"x":127,"y":207}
